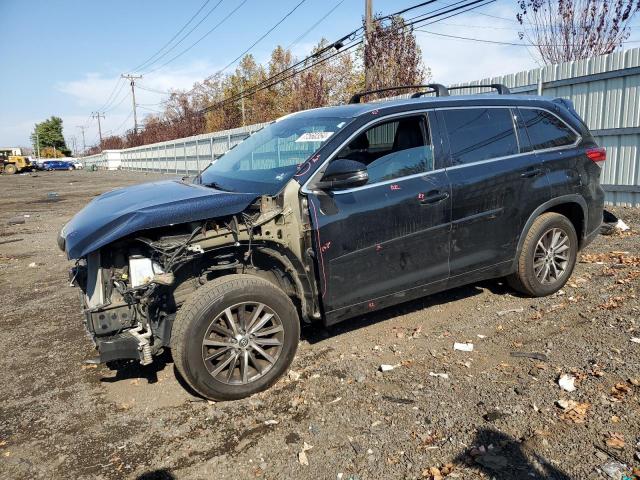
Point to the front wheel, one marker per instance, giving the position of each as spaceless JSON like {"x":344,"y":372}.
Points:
{"x":548,"y":256}
{"x":235,"y":337}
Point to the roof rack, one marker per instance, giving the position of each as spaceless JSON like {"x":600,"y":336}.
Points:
{"x":500,"y":88}
{"x":438,"y":89}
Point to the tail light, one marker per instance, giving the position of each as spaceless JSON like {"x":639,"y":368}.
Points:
{"x":597,"y":155}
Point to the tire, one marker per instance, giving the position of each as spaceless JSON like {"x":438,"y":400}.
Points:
{"x":203,"y":317}
{"x":538,"y":281}
{"x":10,"y":169}
{"x":70,"y":168}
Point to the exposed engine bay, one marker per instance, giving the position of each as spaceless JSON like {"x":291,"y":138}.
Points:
{"x":133,"y":287}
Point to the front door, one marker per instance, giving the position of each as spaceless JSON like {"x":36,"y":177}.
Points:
{"x":376,"y":242}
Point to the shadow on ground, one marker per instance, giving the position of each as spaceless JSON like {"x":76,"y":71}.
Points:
{"x":505,"y":458}
{"x":316,"y":333}
{"x":161,"y":474}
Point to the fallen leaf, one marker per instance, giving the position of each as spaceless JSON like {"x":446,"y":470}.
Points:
{"x":615,"y":440}
{"x":573,"y":411}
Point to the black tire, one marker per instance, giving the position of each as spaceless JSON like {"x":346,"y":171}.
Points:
{"x":197,"y":315}
{"x":526,"y":279}
{"x":10,"y":169}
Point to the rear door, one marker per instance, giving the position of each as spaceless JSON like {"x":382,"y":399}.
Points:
{"x":391,"y":235}
{"x":495,"y":180}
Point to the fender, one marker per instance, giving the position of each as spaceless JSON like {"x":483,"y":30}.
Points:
{"x":563,"y":199}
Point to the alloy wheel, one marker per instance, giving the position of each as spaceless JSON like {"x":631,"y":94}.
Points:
{"x":242,"y":343}
{"x":551,"y":256}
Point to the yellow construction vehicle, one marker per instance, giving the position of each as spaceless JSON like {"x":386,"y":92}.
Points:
{"x":12,"y":161}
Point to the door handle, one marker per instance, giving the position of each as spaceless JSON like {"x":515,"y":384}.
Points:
{"x":532,"y":172}
{"x":434,"y":197}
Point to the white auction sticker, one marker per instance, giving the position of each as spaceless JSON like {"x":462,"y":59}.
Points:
{"x":314,"y":137}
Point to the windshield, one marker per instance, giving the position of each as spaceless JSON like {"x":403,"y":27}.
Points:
{"x":267,"y":160}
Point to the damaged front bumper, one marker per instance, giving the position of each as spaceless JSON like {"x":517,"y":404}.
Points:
{"x":118,"y":330}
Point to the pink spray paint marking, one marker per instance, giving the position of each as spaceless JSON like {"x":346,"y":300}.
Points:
{"x":395,"y":187}
{"x":421,"y":196}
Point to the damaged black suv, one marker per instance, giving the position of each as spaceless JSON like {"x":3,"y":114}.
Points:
{"x":330,"y":213}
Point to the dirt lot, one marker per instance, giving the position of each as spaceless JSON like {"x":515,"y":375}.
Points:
{"x":494,"y":415}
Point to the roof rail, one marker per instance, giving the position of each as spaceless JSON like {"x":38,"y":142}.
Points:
{"x":438,"y":89}
{"x":499,"y":87}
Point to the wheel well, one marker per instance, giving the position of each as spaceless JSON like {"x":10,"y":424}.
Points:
{"x":573,"y":211}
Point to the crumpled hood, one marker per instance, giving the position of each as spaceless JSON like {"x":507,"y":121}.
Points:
{"x":118,"y":213}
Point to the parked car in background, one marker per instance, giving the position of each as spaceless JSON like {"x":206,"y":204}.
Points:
{"x":51,"y":165}
{"x":78,"y":165}
{"x":330,"y":213}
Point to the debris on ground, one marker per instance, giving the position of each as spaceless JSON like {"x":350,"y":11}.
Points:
{"x":502,"y":313}
{"x":386,"y":368}
{"x":438,"y":473}
{"x":614,"y":470}
{"x":463,"y":347}
{"x":532,"y":355}
{"x":615,"y":440}
{"x":293,"y":375}
{"x":612,"y":224}
{"x":573,"y":411}
{"x":16,"y":221}
{"x":13,"y":240}
{"x":567,"y":382}
{"x":635,"y":340}
{"x":302,"y":456}
{"x":439,"y":375}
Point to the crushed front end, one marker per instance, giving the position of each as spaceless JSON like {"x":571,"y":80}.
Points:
{"x":121,"y":298}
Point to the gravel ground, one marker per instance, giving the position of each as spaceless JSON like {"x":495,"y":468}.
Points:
{"x":493,"y":415}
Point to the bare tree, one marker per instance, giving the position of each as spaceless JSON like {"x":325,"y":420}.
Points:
{"x":565,"y":30}
{"x":393,"y":55}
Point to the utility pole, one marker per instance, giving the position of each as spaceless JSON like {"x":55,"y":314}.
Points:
{"x":132,"y":79}
{"x":37,"y":141}
{"x":368,"y":31}
{"x":73,"y":142}
{"x":84,"y":145}
{"x":97,"y":115}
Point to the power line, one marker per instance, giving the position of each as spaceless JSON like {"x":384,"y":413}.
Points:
{"x":262,"y":37}
{"x":496,"y":42}
{"x":322,"y":19}
{"x":144,"y":64}
{"x":199,"y":39}
{"x":454,"y":11}
{"x":116,"y":105}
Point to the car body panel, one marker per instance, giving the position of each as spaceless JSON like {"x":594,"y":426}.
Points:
{"x":118,"y":213}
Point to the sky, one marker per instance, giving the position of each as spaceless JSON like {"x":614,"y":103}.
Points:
{"x":65,"y":58}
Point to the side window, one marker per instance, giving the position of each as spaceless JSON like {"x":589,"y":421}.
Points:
{"x":393,"y":149}
{"x":545,"y":129}
{"x":477,"y":134}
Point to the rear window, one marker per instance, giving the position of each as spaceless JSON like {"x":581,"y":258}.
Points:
{"x":545,"y":129}
{"x":477,"y":134}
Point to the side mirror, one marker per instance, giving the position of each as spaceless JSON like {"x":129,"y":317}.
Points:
{"x":343,"y":173}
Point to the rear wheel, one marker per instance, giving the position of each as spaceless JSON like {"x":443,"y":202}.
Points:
{"x":10,"y":169}
{"x":235,"y":337}
{"x":548,"y":256}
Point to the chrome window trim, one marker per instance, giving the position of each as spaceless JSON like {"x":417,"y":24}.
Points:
{"x":304,"y":188}
{"x":411,"y":113}
{"x":550,"y":149}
